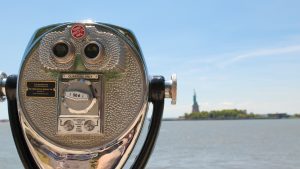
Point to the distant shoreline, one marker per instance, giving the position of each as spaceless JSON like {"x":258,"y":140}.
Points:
{"x":4,"y":121}
{"x":178,"y":119}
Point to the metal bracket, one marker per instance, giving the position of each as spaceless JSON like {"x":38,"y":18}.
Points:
{"x":171,"y":89}
{"x":3,"y":78}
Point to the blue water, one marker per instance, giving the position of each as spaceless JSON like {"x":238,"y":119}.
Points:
{"x":240,"y":144}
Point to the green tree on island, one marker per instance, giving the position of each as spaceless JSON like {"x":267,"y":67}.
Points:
{"x":221,"y":114}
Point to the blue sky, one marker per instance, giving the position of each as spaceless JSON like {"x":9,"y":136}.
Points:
{"x":235,"y":54}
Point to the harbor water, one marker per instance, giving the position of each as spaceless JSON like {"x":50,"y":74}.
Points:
{"x":223,"y":144}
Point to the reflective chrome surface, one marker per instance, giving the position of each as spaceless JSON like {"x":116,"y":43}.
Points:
{"x":3,"y":77}
{"x":119,"y":100}
{"x":171,"y":89}
{"x":49,"y":156}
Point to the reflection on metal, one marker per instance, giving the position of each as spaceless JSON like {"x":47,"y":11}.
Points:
{"x":3,"y":77}
{"x":106,"y":157}
{"x":171,"y":89}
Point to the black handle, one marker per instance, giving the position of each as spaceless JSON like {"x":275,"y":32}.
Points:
{"x":22,"y":148}
{"x":156,"y":96}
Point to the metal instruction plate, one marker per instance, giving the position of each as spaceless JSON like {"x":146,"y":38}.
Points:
{"x":41,"y":89}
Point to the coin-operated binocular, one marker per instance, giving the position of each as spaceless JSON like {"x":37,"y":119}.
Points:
{"x":81,"y":98}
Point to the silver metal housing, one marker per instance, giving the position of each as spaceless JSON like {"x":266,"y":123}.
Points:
{"x":171,"y":89}
{"x":121,"y":106}
{"x":3,"y":77}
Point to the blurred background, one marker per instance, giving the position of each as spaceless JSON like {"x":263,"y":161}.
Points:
{"x":235,"y":55}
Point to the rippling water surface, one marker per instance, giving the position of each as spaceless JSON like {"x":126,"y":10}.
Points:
{"x":248,"y":144}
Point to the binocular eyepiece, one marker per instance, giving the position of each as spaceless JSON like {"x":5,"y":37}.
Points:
{"x":81,"y":98}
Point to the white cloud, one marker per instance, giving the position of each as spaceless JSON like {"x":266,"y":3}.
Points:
{"x":201,"y":72}
{"x":263,"y":53}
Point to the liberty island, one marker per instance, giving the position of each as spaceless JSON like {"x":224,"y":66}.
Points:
{"x":229,"y":114}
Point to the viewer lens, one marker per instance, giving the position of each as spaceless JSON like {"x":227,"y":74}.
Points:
{"x":60,"y":50}
{"x":91,"y":50}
